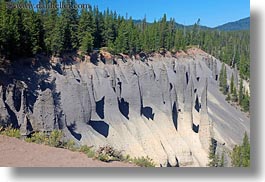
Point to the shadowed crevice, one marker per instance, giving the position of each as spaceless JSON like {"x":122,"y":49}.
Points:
{"x":72,"y":128}
{"x":13,"y":117}
{"x":29,"y":126}
{"x":124,"y":107}
{"x":195,"y":128}
{"x":17,"y":97}
{"x":101,"y":127}
{"x":148,"y":112}
{"x":197,"y":104}
{"x":171,"y":86}
{"x":100,"y":107}
{"x":187,"y":78}
{"x":175,"y":116}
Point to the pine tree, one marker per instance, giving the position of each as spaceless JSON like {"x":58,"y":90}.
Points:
{"x":232,"y":84}
{"x":223,"y":79}
{"x":235,"y":97}
{"x":240,"y":97}
{"x":163,"y":31}
{"x":86,"y":29}
{"x":108,"y":31}
{"x":241,"y":154}
{"x":35,"y":30}
{"x":57,"y":38}
{"x":236,"y":156}
{"x":222,"y":161}
{"x":225,"y":82}
{"x":121,"y":41}
{"x":246,"y":151}
{"x":99,"y":26}
{"x":133,"y":38}
{"x":49,"y":18}
{"x":228,"y":98}
{"x":87,"y":43}
{"x":245,"y":103}
{"x":213,"y":157}
{"x":69,"y":26}
{"x":74,"y":26}
{"x":9,"y":35}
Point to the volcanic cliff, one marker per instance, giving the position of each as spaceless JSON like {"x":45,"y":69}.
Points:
{"x":167,"y":108}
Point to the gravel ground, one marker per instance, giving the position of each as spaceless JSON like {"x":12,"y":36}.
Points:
{"x":18,"y":153}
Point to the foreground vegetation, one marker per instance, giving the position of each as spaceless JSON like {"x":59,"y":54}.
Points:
{"x":55,"y":139}
{"x":240,"y":155}
{"x":240,"y":97}
{"x":214,"y":158}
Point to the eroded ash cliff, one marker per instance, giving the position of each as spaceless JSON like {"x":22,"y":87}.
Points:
{"x":167,"y":108}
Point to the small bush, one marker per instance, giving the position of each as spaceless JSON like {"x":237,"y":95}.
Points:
{"x":55,"y":138}
{"x":11,"y":132}
{"x":108,"y":153}
{"x":88,"y":151}
{"x":144,"y":162}
{"x":103,"y":157}
{"x":38,"y":137}
{"x":70,"y":145}
{"x":127,"y":158}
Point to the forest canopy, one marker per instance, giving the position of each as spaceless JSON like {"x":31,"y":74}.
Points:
{"x":53,"y":31}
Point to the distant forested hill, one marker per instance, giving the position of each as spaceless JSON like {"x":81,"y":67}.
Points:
{"x":243,"y":24}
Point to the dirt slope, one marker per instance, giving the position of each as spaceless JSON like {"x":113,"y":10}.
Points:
{"x":17,"y":153}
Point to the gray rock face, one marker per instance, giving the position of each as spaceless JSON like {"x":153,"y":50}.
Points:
{"x":4,"y":116}
{"x":205,"y":130}
{"x":43,"y":117}
{"x":164,"y":108}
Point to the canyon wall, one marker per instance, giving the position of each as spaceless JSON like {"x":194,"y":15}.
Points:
{"x":167,"y":108}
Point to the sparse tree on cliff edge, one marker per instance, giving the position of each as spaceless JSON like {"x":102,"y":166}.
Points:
{"x":241,"y":154}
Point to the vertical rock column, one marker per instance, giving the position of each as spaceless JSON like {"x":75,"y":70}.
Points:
{"x":205,"y":125}
{"x":235,"y":72}
{"x":16,"y":103}
{"x":43,"y":112}
{"x":4,"y":117}
{"x":215,"y":71}
{"x":186,"y":121}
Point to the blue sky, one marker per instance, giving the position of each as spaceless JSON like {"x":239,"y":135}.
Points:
{"x":211,"y":12}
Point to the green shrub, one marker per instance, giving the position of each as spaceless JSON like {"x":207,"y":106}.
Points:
{"x":70,"y":145}
{"x":108,"y":153}
{"x":103,"y":157}
{"x":38,"y":137}
{"x":127,"y":158}
{"x":240,"y":155}
{"x":55,"y":138}
{"x":88,"y":151}
{"x":144,"y":162}
{"x":11,"y":132}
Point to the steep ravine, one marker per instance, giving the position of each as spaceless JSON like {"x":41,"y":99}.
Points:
{"x":167,"y":108}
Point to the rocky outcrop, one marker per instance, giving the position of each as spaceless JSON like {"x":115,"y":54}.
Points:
{"x":43,"y":116}
{"x":160,"y":107}
{"x":205,"y":130}
{"x":4,"y":116}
